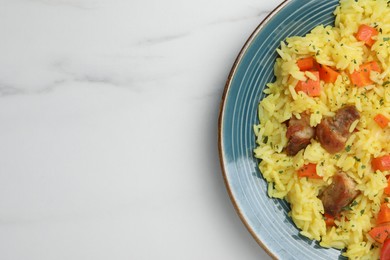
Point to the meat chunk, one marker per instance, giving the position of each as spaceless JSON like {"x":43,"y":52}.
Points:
{"x":299,"y":133}
{"x":333,"y":132}
{"x":339,"y":194}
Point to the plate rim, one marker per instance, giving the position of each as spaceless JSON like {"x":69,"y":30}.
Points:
{"x":221,"y":119}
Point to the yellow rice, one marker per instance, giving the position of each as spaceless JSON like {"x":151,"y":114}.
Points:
{"x":336,"y":47}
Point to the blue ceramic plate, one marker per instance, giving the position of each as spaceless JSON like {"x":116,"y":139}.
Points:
{"x":265,"y":218}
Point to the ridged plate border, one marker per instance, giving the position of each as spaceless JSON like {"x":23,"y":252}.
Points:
{"x":265,"y":218}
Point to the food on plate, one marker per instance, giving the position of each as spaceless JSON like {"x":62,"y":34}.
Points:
{"x":339,"y":194}
{"x":299,"y":133}
{"x":333,"y":132}
{"x":323,"y":139}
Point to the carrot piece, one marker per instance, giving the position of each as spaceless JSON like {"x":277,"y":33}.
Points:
{"x":309,"y":170}
{"x":381,"y":163}
{"x":373,"y":65}
{"x":365,"y":34}
{"x":359,"y":80}
{"x":383,"y":214}
{"x":311,"y":87}
{"x":361,"y":77}
{"x":306,"y":63}
{"x":329,"y":220}
{"x":387,"y":189}
{"x":385,"y":251}
{"x":380,"y":233}
{"x":381,"y":120}
{"x":327,"y":74}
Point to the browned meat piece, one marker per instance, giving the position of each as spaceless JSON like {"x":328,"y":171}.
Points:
{"x":333,"y":132}
{"x":339,"y":194}
{"x":299,"y":133}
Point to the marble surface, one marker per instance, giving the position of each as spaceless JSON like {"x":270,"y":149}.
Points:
{"x":108,"y":136}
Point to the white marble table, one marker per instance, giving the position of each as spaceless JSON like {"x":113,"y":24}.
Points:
{"x":108,"y":137}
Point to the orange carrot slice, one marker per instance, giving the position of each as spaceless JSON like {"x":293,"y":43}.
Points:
{"x":311,"y":87}
{"x":365,"y":34}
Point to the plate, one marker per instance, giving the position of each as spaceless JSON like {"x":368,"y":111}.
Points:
{"x":266,"y":219}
